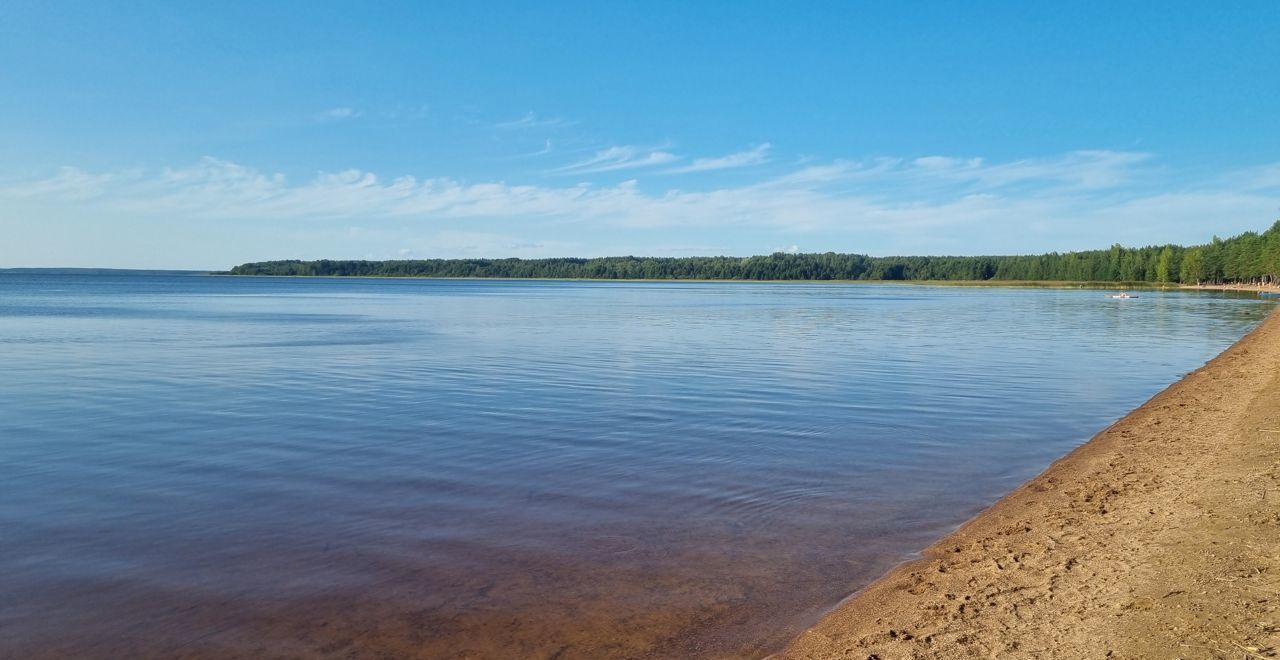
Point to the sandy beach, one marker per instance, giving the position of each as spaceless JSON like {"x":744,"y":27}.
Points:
{"x":1159,"y":538}
{"x":1255,"y":288}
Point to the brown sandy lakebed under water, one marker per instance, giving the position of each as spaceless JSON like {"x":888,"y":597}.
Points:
{"x":1160,"y":538}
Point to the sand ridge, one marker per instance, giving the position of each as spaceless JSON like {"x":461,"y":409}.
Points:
{"x":1159,"y":538}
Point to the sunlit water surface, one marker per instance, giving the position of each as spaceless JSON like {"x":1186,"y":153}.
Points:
{"x":205,"y":466}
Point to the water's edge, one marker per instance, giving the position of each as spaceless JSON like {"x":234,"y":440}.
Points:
{"x":860,"y":602}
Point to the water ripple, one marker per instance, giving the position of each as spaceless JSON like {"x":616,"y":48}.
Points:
{"x":529,"y":463}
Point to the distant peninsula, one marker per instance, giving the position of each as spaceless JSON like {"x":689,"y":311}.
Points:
{"x":1248,"y":258}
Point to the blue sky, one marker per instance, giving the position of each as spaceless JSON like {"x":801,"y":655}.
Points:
{"x":203,"y":135}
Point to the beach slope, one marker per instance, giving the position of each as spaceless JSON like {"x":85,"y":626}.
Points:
{"x":1159,"y":538}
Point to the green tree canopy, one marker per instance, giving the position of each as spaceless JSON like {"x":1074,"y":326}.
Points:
{"x":1248,"y":257}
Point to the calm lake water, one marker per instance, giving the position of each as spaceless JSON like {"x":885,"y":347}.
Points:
{"x":209,"y":466}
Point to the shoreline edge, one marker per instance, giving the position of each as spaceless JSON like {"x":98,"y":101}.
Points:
{"x":1157,"y":538}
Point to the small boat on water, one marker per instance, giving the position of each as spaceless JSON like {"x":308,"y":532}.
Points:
{"x":1122,"y":296}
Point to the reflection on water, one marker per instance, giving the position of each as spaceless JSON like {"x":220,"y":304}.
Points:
{"x":214,"y":466}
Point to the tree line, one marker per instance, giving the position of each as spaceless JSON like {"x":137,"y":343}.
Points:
{"x":1249,"y":257}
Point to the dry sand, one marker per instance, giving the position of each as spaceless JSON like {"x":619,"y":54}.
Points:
{"x":1256,"y":288}
{"x":1159,"y":538}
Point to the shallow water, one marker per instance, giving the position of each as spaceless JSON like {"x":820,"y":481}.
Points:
{"x":198,"y":465}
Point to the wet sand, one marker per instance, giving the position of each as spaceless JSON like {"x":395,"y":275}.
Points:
{"x":1159,"y":538}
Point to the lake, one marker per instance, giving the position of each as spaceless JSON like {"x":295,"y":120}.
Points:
{"x":197,"y":466}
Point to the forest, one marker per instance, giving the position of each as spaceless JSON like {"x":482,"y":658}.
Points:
{"x":1249,"y":257}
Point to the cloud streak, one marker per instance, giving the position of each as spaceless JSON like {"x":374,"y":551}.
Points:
{"x":755,"y":156}
{"x":619,"y":158}
{"x":1069,"y":201}
{"x":532,"y":120}
{"x":339,"y":114}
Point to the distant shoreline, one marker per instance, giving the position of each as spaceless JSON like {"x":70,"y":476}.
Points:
{"x":1256,"y":288}
{"x":997,"y":283}
{"x":1046,"y":284}
{"x":54,"y":270}
{"x":1156,"y":538}
{"x":1034,"y":284}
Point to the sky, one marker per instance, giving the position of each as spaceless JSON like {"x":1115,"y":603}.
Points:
{"x":207,"y":134}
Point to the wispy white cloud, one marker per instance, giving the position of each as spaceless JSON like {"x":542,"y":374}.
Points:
{"x":700,"y":249}
{"x":945,"y":163}
{"x":1074,"y":171}
{"x":1092,"y":169}
{"x":624,"y":157}
{"x":755,"y":156}
{"x":1068,"y":201}
{"x":1262,"y":177}
{"x":547,"y":147}
{"x":69,"y":184}
{"x":532,"y":120}
{"x":838,"y":170}
{"x":400,"y":112}
{"x":338,"y":114}
{"x":490,"y":243}
{"x":389,"y":242}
